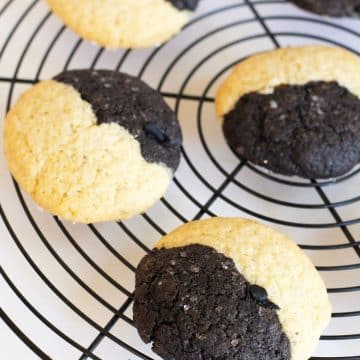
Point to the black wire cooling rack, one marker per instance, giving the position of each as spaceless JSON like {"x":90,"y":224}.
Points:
{"x":210,"y":186}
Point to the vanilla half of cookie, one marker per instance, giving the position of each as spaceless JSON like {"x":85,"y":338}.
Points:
{"x":227,"y":288}
{"x":124,"y":23}
{"x":92,"y":146}
{"x":295,"y":111}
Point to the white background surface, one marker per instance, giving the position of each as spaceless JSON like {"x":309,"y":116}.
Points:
{"x":54,"y":264}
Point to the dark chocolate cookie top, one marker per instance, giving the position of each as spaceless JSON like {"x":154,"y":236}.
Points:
{"x":336,"y":8}
{"x":127,"y":101}
{"x":193,"y":304}
{"x":185,"y":4}
{"x":312,"y":130}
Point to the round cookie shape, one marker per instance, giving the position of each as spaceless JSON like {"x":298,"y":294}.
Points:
{"x":124,"y":23}
{"x":295,"y":111}
{"x":192,"y":303}
{"x":127,"y":101}
{"x":270,"y":261}
{"x":83,"y":159}
{"x":335,"y":8}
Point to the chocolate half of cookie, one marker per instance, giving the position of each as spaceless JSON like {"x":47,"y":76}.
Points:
{"x":192,"y":303}
{"x":336,"y":8}
{"x":184,"y":4}
{"x":129,"y":102}
{"x":310,"y":130}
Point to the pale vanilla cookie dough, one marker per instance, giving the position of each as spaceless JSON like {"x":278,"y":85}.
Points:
{"x":295,"y":111}
{"x":92,"y":146}
{"x":229,"y":288}
{"x":124,"y":23}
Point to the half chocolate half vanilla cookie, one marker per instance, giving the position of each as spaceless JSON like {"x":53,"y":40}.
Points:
{"x":92,"y":145}
{"x":335,"y":8}
{"x":295,"y":111}
{"x":227,"y":288}
{"x":125,"y":23}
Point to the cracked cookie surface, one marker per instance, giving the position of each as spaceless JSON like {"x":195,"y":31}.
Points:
{"x":127,"y":101}
{"x":290,"y":100}
{"x":192,"y":303}
{"x":124,"y":23}
{"x":310,"y":130}
{"x":270,"y":261}
{"x":74,"y":167}
{"x":288,"y":66}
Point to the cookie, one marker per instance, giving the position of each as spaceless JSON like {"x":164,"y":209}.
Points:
{"x":124,"y":23}
{"x":93,"y":146}
{"x":335,"y":8}
{"x":295,"y":111}
{"x":227,"y":288}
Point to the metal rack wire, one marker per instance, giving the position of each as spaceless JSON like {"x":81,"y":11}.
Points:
{"x":203,"y":208}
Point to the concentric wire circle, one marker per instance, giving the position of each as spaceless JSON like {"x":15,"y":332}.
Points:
{"x":322,"y":216}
